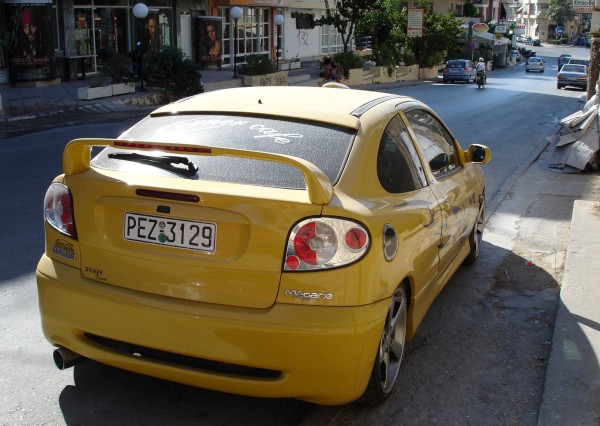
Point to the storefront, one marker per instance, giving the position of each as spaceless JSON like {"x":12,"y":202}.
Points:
{"x":96,"y":29}
{"x":57,"y":40}
{"x":65,"y":39}
{"x":215,"y":35}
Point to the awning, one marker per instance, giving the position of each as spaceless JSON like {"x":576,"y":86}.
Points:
{"x":481,"y":37}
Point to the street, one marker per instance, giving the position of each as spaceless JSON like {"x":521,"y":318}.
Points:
{"x":480,"y":355}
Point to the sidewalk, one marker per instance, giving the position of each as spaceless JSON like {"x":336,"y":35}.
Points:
{"x":572,"y":386}
{"x":21,"y":103}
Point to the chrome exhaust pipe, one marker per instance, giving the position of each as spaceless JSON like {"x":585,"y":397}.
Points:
{"x":64,"y":358}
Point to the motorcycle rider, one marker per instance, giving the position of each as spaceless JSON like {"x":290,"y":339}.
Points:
{"x":481,"y":67}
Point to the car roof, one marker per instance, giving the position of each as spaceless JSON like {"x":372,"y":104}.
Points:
{"x":333,"y":103}
{"x":534,"y":59}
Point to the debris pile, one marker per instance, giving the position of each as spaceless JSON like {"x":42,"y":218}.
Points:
{"x":576,"y":144}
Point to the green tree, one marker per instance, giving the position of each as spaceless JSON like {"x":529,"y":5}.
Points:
{"x":382,"y":25}
{"x":387,"y":25}
{"x":560,"y":11}
{"x":345,"y":16}
{"x":470,"y":10}
{"x":441,"y":33}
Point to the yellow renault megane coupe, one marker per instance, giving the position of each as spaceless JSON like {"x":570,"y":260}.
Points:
{"x":264,"y":241}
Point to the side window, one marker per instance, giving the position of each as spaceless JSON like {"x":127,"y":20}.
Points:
{"x":398,"y":166}
{"x":435,"y":141}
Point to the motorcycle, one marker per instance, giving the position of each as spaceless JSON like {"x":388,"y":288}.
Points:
{"x":480,"y":79}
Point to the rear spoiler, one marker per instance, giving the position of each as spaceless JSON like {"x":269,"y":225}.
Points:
{"x":77,"y":155}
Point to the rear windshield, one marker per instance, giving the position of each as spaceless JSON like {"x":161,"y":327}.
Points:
{"x":326,"y":147}
{"x":573,"y":68}
{"x":457,"y":64}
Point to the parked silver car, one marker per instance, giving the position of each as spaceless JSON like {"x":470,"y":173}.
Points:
{"x":572,"y":75}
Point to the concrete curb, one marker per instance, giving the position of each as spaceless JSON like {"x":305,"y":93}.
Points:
{"x":572,"y":388}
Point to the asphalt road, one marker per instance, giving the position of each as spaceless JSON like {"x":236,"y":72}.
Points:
{"x":478,"y":358}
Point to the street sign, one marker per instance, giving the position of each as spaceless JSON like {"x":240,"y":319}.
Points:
{"x":500,"y":29}
{"x":558,"y":30}
{"x":415,"y":23}
{"x":583,"y":6}
{"x":519,"y":29}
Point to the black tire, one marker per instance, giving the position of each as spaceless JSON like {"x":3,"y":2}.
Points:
{"x":558,"y":86}
{"x":444,"y":81}
{"x":526,"y":70}
{"x":389,"y":353}
{"x":476,"y":236}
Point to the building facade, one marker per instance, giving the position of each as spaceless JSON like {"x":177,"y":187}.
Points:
{"x":66,"y":39}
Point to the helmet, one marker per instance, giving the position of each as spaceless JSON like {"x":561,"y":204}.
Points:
{"x":480,"y":59}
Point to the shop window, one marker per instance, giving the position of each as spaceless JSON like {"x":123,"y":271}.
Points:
{"x":331,"y":40}
{"x":253,"y":33}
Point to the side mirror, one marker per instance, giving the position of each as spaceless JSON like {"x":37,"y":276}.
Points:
{"x":479,"y":154}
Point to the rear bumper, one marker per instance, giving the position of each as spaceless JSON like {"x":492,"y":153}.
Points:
{"x":573,"y":83}
{"x":321,"y":354}
{"x":453,"y":77}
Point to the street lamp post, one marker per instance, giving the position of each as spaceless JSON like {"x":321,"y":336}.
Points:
{"x":236,"y":13}
{"x":278,"y":19}
{"x":140,"y":11}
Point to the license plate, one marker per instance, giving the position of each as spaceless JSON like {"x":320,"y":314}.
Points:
{"x":166,"y":231}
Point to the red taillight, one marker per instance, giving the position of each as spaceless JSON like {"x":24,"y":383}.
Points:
{"x":58,"y":209}
{"x":178,"y":148}
{"x":582,"y":78}
{"x":322,"y":243}
{"x":356,"y":238}
{"x":466,"y":69}
{"x":315,"y":243}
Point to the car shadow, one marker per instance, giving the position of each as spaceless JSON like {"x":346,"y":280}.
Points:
{"x":103,"y":395}
{"x":482,"y":352}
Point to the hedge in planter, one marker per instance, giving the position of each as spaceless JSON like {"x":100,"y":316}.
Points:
{"x":173,"y":72}
{"x":257,"y":65}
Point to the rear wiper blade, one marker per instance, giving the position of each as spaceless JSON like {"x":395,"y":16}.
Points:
{"x":178,"y":165}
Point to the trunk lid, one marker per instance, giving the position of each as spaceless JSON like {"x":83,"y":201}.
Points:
{"x":238,"y":236}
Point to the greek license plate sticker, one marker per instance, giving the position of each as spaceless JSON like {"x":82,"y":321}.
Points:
{"x":166,"y":231}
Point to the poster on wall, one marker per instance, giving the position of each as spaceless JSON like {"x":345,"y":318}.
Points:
{"x":31,"y":51}
{"x":208,"y":41}
{"x":151,"y":41}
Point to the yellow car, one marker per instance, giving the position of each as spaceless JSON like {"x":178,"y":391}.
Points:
{"x":264,"y":241}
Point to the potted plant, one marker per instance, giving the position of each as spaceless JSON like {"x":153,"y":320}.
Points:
{"x":295,"y":63}
{"x":259,"y":70}
{"x":117,"y":67}
{"x":110,"y":80}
